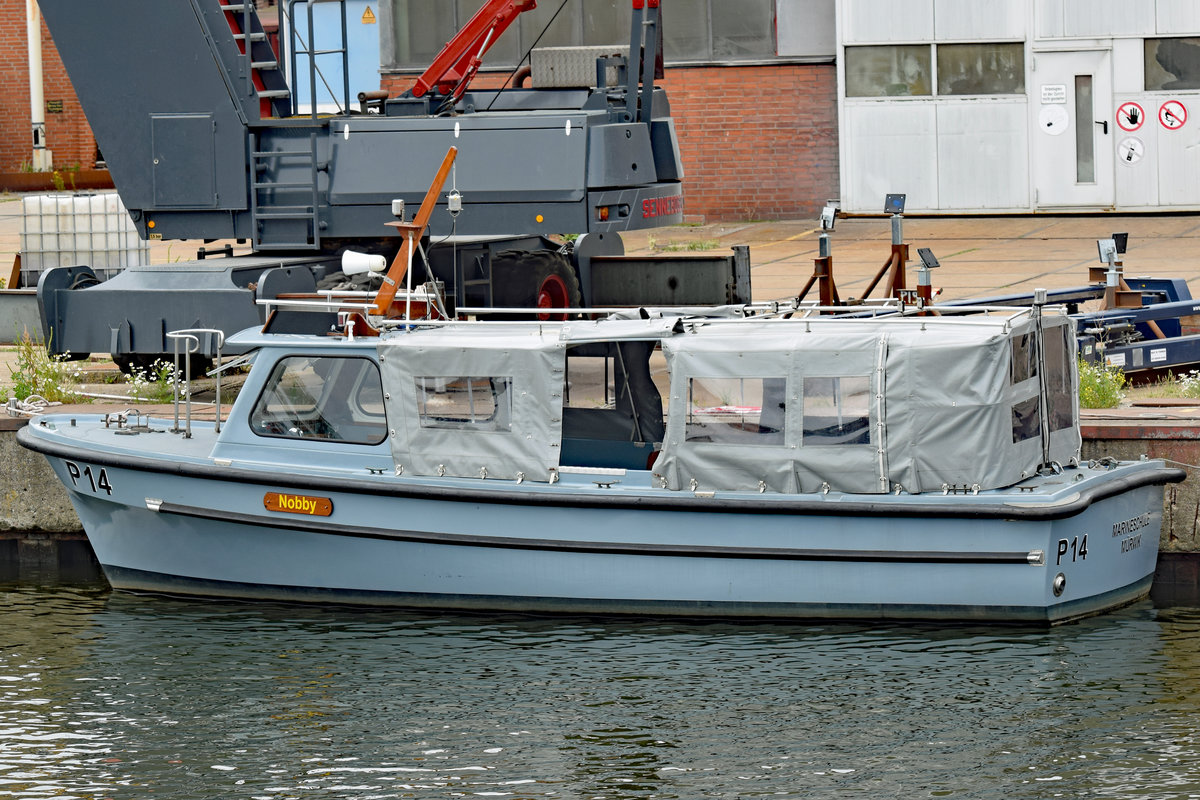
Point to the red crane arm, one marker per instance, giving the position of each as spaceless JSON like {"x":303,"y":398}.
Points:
{"x":462,"y":55}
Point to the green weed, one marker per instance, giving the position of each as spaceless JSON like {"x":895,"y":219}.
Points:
{"x":54,"y":378}
{"x":1100,"y":385}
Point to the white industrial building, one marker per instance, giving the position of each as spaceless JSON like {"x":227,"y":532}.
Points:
{"x":1019,"y":105}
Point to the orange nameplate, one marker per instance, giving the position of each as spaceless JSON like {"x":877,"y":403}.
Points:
{"x":298,"y":504}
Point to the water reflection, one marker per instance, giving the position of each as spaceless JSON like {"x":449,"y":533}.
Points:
{"x":106,"y":695}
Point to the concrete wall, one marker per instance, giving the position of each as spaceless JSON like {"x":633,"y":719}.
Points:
{"x":31,"y":496}
{"x":1177,"y":441}
{"x":1181,"y":501}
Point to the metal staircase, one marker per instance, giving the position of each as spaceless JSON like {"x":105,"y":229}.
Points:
{"x":284,"y":176}
{"x":262,"y":78}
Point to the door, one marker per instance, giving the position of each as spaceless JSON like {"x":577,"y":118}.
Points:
{"x":1071,"y":98}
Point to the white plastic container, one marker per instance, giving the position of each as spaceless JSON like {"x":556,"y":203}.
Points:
{"x":91,"y":229}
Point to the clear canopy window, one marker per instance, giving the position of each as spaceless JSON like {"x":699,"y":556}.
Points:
{"x":837,"y":411}
{"x":465,"y":402}
{"x":736,"y":410}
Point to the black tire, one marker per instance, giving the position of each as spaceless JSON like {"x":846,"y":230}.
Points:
{"x":533,"y":279}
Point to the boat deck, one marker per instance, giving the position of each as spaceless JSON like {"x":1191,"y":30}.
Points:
{"x":369,"y":468}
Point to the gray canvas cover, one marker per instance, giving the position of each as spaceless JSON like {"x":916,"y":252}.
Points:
{"x":860,"y":406}
{"x":943,"y":404}
{"x":530,"y":358}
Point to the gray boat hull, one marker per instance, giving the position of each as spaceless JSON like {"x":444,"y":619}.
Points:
{"x":203,"y":530}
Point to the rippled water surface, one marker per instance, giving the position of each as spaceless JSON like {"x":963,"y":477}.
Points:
{"x":110,"y":695}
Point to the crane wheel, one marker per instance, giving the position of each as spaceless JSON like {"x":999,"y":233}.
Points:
{"x":535,"y":279}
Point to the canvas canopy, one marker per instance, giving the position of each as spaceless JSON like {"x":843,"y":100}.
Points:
{"x":475,"y":402}
{"x":485,"y":399}
{"x":800,"y":405}
{"x":870,"y":406}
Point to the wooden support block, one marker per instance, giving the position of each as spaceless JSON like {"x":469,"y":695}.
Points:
{"x":14,"y":275}
{"x":1129,"y":299}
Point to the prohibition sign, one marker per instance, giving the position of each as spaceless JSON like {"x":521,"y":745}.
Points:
{"x":1130,"y":116}
{"x":1172,"y":114}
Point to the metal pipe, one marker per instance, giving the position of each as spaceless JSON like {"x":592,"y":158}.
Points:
{"x":40,"y":159}
{"x":408,"y":280}
{"x":217,"y":422}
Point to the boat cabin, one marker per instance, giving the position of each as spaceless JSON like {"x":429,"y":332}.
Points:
{"x":870,"y":406}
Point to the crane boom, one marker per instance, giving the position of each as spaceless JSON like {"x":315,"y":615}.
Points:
{"x":453,"y":68}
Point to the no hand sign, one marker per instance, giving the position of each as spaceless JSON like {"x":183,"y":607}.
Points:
{"x":1130,"y":116}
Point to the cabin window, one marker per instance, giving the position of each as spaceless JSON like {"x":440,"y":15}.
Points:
{"x":736,"y":410}
{"x":837,"y":410}
{"x":472,"y":402}
{"x":1059,"y":379}
{"x":322,"y":397}
{"x":1026,"y":419}
{"x":1024,"y":358}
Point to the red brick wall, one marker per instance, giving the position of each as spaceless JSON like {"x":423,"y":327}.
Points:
{"x":68,"y":135}
{"x":758,"y":142}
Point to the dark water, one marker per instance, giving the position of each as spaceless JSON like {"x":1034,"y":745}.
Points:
{"x":127,"y":697}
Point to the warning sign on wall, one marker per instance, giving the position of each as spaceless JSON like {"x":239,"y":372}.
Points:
{"x":1130,"y":150}
{"x":1054,"y":93}
{"x":1172,"y":114}
{"x":1130,"y":116}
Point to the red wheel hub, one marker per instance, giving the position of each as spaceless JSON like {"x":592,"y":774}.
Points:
{"x":553,"y":294}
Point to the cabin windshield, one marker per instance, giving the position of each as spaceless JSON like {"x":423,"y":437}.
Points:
{"x":322,"y":397}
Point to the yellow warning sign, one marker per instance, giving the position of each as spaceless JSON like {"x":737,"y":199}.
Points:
{"x":368,"y":17}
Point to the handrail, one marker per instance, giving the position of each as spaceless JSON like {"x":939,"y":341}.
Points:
{"x":191,"y":339}
{"x":310,"y":49}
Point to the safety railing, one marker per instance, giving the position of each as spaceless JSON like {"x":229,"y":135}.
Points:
{"x":190,"y":341}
